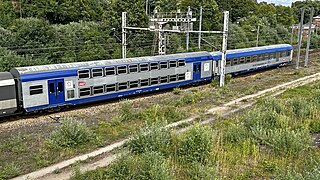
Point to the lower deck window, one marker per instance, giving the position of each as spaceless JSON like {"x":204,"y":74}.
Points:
{"x":134,"y":84}
{"x":181,"y":77}
{"x":261,"y":57}
{"x":85,"y":92}
{"x":164,"y":79}
{"x":154,"y":81}
{"x":173,"y":78}
{"x":254,"y":58}
{"x":36,"y":90}
{"x":110,"y":88}
{"x":248,"y":59}
{"x":122,"y":86}
{"x":228,"y":63}
{"x":98,"y":90}
{"x":235,"y":61}
{"x":144,"y":82}
{"x":242,"y":60}
{"x":70,"y":94}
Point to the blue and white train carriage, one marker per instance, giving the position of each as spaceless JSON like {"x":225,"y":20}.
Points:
{"x":50,"y":86}
{"x":28,"y":89}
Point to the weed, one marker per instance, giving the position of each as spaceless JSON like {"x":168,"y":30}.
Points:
{"x":16,"y":144}
{"x":146,"y":166}
{"x":269,"y":166}
{"x":196,"y":145}
{"x":177,"y":91}
{"x":126,"y":113}
{"x":149,"y":139}
{"x":72,"y":133}
{"x":9,"y":171}
{"x":314,"y":126}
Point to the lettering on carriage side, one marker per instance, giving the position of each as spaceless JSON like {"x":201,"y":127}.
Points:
{"x":206,"y":67}
{"x":188,"y":76}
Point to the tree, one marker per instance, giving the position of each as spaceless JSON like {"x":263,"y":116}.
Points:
{"x":238,"y":8}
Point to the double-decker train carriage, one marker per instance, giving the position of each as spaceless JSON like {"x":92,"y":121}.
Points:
{"x":29,"y":89}
{"x":250,"y":59}
{"x":50,"y":86}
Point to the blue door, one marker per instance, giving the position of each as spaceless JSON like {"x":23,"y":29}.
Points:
{"x":196,"y":71}
{"x":56,"y":92}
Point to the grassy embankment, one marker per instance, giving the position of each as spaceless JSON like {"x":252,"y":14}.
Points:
{"x":274,"y":139}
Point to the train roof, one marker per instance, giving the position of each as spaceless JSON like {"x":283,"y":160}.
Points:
{"x":104,"y":63}
{"x":252,"y":51}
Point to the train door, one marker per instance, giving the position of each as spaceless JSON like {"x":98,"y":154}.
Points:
{"x":196,"y":71}
{"x":56,"y":91}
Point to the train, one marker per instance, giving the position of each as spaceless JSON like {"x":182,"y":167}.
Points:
{"x":47,"y":87}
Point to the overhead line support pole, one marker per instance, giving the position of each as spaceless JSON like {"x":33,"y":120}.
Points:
{"x":309,"y":38}
{"x":224,"y":48}
{"x":124,"y":35}
{"x":200,"y":28}
{"x":300,"y":38}
{"x":188,"y":28}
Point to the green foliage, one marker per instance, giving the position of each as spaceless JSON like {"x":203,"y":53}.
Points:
{"x":9,"y":170}
{"x":309,"y":174}
{"x":195,"y":146}
{"x":150,"y":165}
{"x":151,"y":139}
{"x":71,"y":134}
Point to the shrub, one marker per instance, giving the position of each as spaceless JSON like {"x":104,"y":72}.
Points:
{"x":146,"y":166}
{"x":151,"y":139}
{"x":196,"y":145}
{"x":284,"y":141}
{"x":236,"y":133}
{"x":72,"y":133}
{"x":177,"y":91}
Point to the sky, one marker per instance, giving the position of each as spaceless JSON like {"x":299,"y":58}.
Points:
{"x":282,"y":2}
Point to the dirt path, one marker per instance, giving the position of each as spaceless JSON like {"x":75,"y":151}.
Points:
{"x":224,"y":110}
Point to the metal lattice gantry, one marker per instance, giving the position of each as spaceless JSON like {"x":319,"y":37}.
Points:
{"x":159,"y":19}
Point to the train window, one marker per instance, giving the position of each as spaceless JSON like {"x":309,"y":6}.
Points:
{"x":134,"y":84}
{"x":173,"y":64}
{"x":154,"y":66}
{"x":144,"y":82}
{"x":144,"y":67}
{"x":248,"y":59}
{"x":284,"y":54}
{"x":181,"y":77}
{"x":228,"y":62}
{"x":288,"y":53}
{"x":83,"y":74}
{"x":164,"y":79}
{"x":60,"y":87}
{"x":97,"y":72}
{"x":261,"y":57}
{"x":110,"y":88}
{"x":181,"y":63}
{"x":235,"y":61}
{"x":154,"y":81}
{"x":36,"y":90}
{"x":133,"y":68}
{"x":85,"y":92}
{"x":122,"y":86}
{"x":52,"y":88}
{"x":122,"y":69}
{"x":242,"y":60}
{"x":70,"y":94}
{"x":110,"y":71}
{"x":173,"y":78}
{"x":266,"y":56}
{"x":163,"y":65}
{"x":98,"y":90}
{"x":272,"y":55}
{"x":254,"y":58}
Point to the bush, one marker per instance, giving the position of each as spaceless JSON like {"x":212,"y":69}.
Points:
{"x":153,"y":138}
{"x":236,"y":133}
{"x":146,"y":166}
{"x":195,"y":146}
{"x":72,"y":133}
{"x":286,"y":141}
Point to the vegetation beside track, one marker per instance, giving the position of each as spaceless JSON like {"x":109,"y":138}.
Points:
{"x":27,"y":149}
{"x":275,"y":139}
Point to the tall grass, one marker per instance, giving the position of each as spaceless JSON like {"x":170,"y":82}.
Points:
{"x":71,"y":133}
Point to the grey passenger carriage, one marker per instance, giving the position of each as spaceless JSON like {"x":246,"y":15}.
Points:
{"x":30,"y":89}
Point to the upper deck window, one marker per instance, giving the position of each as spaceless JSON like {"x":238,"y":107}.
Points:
{"x":173,"y":64}
{"x":122,"y":69}
{"x":83,"y":74}
{"x":154,"y":66}
{"x":163,"y":65}
{"x":110,"y":71}
{"x":97,"y":72}
{"x":133,"y":68}
{"x":181,"y":63}
{"x":144,"y":67}
{"x":38,"y":89}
